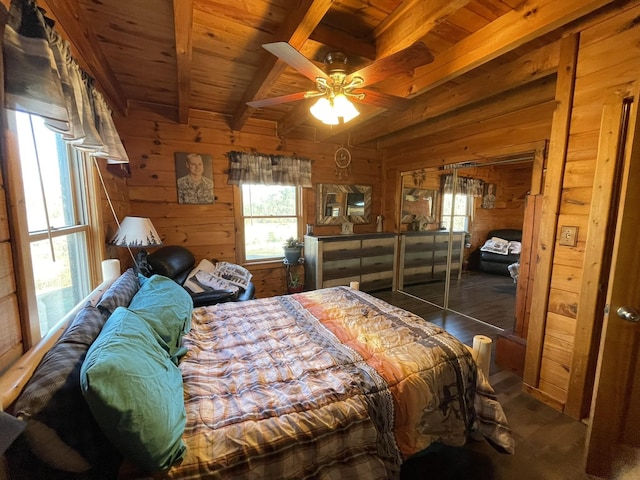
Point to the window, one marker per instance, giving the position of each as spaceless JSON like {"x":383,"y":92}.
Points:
{"x":271,"y":214}
{"x":460,"y":217}
{"x":57,"y":228}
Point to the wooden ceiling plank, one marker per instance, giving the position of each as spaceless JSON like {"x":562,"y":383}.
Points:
{"x":527,"y":68}
{"x":533,"y":19}
{"x":183,"y":25}
{"x":508,"y":32}
{"x":87,"y":46}
{"x":343,"y":42}
{"x":410,"y":22}
{"x":505,"y":103}
{"x":296,"y":29}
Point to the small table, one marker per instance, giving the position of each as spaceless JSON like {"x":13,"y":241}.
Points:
{"x":294,"y":275}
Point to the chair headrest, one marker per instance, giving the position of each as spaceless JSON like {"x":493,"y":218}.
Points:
{"x":171,"y":261}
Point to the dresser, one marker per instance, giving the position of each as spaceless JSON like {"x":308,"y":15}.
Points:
{"x":341,"y":259}
{"x":423,"y":256}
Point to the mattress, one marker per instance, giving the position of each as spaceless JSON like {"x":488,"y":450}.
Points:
{"x":326,"y":384}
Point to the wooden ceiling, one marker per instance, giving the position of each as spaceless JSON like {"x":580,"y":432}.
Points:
{"x":207,"y":54}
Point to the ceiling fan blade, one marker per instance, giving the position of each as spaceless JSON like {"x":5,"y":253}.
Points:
{"x":382,"y":100}
{"x":294,"y":58}
{"x":267,"y":102}
{"x":403,"y":61}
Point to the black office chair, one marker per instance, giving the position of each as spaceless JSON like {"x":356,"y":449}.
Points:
{"x":176,"y":262}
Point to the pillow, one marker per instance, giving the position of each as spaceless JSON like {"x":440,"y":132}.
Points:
{"x":120,"y":292}
{"x":496,"y":245}
{"x":60,"y":428}
{"x":166,"y":307}
{"x":190,"y":283}
{"x":515,"y":247}
{"x":135,"y":392}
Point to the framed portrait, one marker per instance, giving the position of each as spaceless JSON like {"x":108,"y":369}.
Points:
{"x":194,"y":178}
{"x":489,"y":197}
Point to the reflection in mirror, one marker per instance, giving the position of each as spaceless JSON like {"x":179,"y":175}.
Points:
{"x":337,"y":204}
{"x":418,"y":209}
{"x":422,"y":272}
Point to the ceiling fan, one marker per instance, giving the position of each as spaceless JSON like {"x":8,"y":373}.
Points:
{"x":336,"y":85}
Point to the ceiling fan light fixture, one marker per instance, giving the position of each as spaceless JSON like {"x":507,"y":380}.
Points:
{"x":328,"y":111}
{"x":344,"y":108}
{"x":323,"y":111}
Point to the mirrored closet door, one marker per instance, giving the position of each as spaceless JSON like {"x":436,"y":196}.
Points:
{"x":423,"y":260}
{"x":441,"y":247}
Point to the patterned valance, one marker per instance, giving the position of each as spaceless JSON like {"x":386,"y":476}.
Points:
{"x":263,"y":169}
{"x":464,"y":185}
{"x":42,"y":78}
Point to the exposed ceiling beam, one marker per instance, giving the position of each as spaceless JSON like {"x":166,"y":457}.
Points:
{"x":411,"y":21}
{"x":68,"y":15}
{"x":527,"y":68}
{"x":407,"y":24}
{"x":296,"y":29}
{"x":183,"y":26}
{"x":504,"y":103}
{"x":343,"y":42}
{"x":530,"y":20}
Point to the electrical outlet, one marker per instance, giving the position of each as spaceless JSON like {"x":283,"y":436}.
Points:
{"x":568,"y":236}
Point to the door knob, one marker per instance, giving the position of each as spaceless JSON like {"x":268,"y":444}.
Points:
{"x":628,"y":313}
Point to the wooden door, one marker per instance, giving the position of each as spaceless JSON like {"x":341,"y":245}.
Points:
{"x":615,"y":411}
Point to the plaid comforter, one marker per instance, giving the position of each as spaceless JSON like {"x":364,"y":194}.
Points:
{"x":328,"y":384}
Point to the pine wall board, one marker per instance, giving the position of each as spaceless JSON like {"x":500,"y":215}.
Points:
{"x":152,"y":137}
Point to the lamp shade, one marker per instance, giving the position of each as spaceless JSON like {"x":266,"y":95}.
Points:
{"x":329,"y":111}
{"x":136,"y":232}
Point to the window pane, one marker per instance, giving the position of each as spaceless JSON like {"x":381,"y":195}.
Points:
{"x":264,"y":237}
{"x":57,"y":184}
{"x":446,"y":204}
{"x":268,"y":200}
{"x":62,"y":283}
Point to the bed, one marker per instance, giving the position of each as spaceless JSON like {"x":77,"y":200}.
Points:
{"x":331,"y":383}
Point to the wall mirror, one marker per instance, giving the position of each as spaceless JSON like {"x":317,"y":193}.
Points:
{"x":337,"y":204}
{"x":419,"y":206}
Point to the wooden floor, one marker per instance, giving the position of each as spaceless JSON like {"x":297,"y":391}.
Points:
{"x":486,"y":297}
{"x":549,"y":445}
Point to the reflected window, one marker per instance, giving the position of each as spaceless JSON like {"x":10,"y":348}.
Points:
{"x":456,"y":212}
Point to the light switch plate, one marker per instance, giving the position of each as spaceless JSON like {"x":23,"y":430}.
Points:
{"x":568,"y":236}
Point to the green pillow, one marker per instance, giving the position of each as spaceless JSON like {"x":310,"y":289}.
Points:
{"x":166,"y":307}
{"x":135,"y":392}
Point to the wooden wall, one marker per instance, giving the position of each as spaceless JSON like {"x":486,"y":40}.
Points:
{"x":151,"y":137}
{"x":512,"y":183}
{"x":608,"y":65}
{"x":11,"y":345}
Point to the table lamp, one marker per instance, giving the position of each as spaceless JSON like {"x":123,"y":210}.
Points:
{"x":137,"y":232}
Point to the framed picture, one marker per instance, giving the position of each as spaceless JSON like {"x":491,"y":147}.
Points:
{"x":194,"y":178}
{"x":489,"y":197}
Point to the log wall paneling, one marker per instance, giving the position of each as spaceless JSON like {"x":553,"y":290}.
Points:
{"x":548,"y":222}
{"x":11,"y":343}
{"x":210,"y":231}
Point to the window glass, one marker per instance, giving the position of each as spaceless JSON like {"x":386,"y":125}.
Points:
{"x":270,"y":217}
{"x":460,"y":218}
{"x":53,"y":181}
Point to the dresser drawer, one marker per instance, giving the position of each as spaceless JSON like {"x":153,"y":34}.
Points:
{"x":340,"y":269}
{"x":341,"y":250}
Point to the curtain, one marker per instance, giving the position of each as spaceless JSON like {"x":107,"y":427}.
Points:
{"x":42,"y":78}
{"x":464,"y":185}
{"x":263,"y":169}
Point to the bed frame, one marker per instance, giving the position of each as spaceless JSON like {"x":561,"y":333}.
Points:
{"x":14,"y":379}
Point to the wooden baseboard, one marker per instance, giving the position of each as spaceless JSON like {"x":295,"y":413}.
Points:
{"x":510,"y":352}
